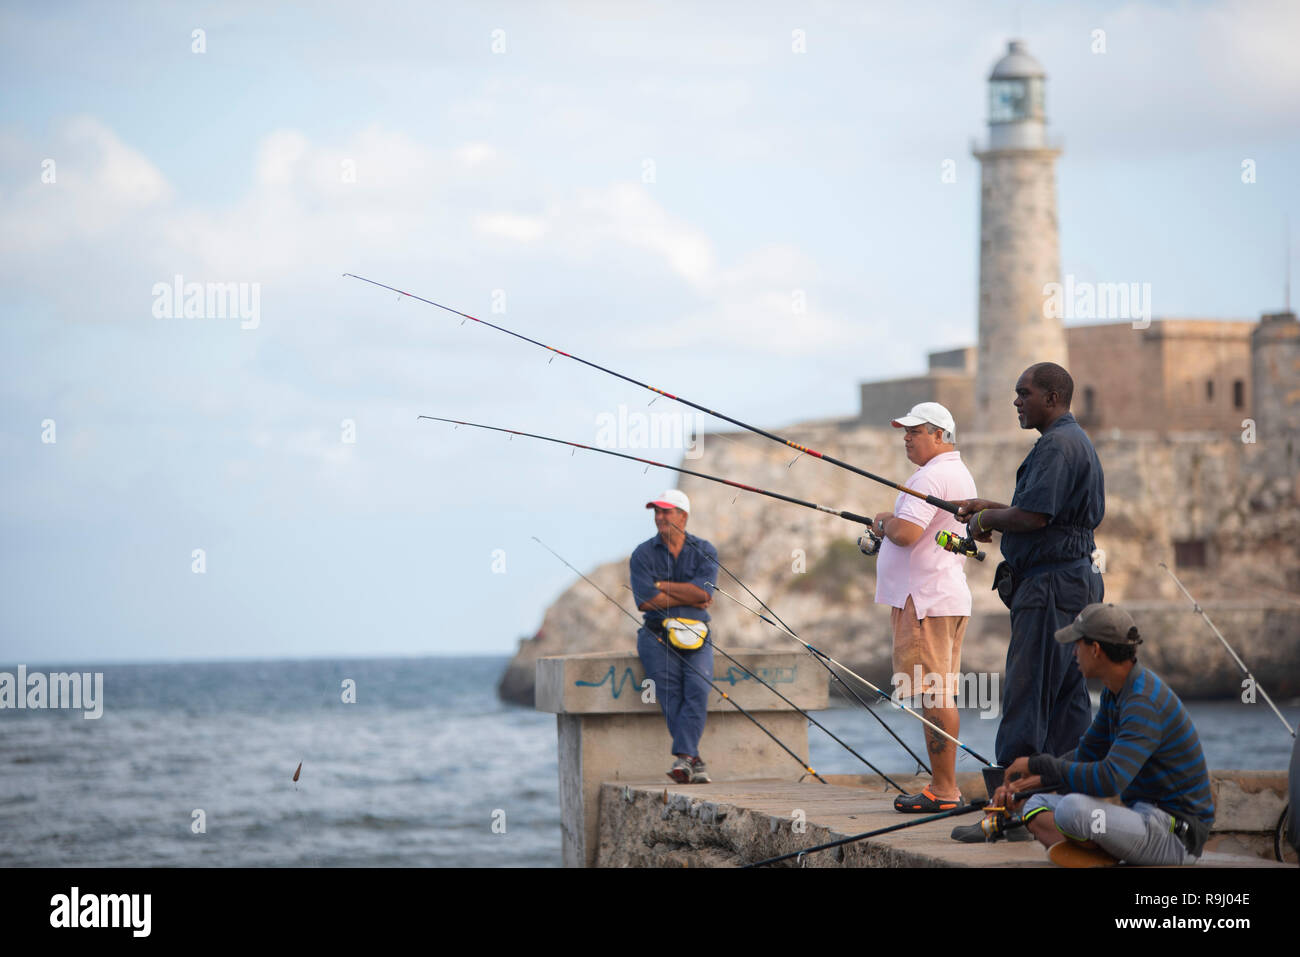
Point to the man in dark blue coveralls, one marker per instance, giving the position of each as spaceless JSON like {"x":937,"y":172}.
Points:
{"x":1048,"y":545}
{"x":672,"y":581}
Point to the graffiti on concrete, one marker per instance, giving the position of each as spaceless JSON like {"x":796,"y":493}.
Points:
{"x":732,"y":676}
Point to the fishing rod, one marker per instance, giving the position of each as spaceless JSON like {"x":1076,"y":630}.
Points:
{"x":930,"y":499}
{"x":849,"y":516}
{"x":1196,"y":607}
{"x":802,"y":763}
{"x":867,"y":543}
{"x":1000,"y":820}
{"x":976,"y":805}
{"x":819,"y":655}
{"x":811,"y":720}
{"x":815,"y":653}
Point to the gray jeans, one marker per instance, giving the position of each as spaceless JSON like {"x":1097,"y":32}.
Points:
{"x":1141,"y":834}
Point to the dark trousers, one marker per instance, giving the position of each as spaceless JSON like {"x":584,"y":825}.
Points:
{"x":1045,"y":706}
{"x":682,"y":683}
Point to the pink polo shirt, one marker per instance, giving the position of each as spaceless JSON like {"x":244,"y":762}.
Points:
{"x":935,"y":578}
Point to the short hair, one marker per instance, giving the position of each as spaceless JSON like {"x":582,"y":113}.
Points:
{"x":1050,"y":377}
{"x":939,"y":430}
{"x":1116,"y":653}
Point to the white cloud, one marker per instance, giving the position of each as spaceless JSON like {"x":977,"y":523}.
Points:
{"x":475,"y":155}
{"x":279,"y":157}
{"x":521,"y":229}
{"x":626,"y":213}
{"x":97,"y":182}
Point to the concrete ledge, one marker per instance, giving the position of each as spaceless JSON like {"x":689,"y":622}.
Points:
{"x":607,"y":731}
{"x":644,"y":824}
{"x":609,"y":682}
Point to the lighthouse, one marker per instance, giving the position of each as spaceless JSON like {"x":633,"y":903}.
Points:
{"x":1019,"y":247}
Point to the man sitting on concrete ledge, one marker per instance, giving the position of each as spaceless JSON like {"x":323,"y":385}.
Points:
{"x":1141,"y":746}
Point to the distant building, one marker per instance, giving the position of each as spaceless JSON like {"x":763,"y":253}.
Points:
{"x":1174,"y":375}
{"x":1163,"y":375}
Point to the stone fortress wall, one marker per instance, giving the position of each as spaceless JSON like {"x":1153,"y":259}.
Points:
{"x":1203,"y":496}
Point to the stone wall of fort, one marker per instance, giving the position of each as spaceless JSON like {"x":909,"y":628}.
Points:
{"x":1202,"y":497}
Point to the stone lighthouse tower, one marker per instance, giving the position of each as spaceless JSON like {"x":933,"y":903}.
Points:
{"x":1019,"y":250}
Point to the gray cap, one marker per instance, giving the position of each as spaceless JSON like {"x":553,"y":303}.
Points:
{"x":1101,"y":621}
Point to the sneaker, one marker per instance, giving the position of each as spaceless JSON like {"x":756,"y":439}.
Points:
{"x":969,"y":833}
{"x":681,"y":771}
{"x":700,"y":772}
{"x":974,"y":834}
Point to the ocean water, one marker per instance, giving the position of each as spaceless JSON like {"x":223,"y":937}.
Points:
{"x":427,"y":768}
{"x":415,"y":773}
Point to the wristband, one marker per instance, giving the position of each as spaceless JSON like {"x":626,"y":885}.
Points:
{"x":979,"y":519}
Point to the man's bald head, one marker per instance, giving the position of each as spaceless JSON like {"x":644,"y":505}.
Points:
{"x":1050,"y":377}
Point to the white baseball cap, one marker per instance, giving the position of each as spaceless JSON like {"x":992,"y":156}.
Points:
{"x":927,"y":412}
{"x":672,"y":499}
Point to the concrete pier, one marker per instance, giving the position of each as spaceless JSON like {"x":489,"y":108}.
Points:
{"x":610,"y":732}
{"x":618,"y":807}
{"x":645,"y":824}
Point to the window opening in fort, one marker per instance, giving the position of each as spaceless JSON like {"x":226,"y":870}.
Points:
{"x":1209,"y":390}
{"x":1238,"y":394}
{"x":1190,"y":553}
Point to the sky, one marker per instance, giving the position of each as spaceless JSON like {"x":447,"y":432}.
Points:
{"x":743,"y":203}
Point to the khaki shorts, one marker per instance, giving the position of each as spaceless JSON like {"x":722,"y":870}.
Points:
{"x":934,"y":645}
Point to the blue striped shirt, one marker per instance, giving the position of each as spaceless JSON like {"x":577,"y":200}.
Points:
{"x":1141,"y":746}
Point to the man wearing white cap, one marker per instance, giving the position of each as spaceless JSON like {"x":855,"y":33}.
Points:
{"x":926,"y":589}
{"x":672,"y":582}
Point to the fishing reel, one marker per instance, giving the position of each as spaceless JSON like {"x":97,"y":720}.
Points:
{"x":952,"y":542}
{"x":869,"y":541}
{"x":998,"y":821}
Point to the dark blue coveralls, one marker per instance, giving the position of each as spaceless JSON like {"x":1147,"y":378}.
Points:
{"x":682,"y":678}
{"x":1045,"y":707}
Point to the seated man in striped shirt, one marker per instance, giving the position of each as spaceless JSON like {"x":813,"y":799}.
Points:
{"x":1141,"y":746}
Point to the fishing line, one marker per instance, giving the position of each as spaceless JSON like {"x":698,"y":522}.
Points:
{"x":849,"y":516}
{"x":811,"y":719}
{"x":932,"y":500}
{"x":819,"y":655}
{"x":802,"y":763}
{"x":1196,"y":607}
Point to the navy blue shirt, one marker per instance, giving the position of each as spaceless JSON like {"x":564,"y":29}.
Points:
{"x":1062,"y":479}
{"x":696,"y":563}
{"x":1142,"y":746}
